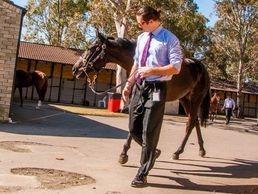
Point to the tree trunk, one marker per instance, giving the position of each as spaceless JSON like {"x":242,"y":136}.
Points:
{"x":121,"y":28}
{"x":239,"y":86}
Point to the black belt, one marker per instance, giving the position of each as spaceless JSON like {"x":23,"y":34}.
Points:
{"x":155,"y":82}
{"x":145,"y":83}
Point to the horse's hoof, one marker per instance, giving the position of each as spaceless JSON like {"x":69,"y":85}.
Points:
{"x":202,"y":153}
{"x":175,"y":156}
{"x":123,"y":159}
{"x":37,"y":107}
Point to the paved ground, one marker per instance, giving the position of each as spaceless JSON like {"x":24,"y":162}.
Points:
{"x":90,"y":145}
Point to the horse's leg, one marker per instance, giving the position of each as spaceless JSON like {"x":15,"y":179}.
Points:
{"x":39,"y":103}
{"x":21,"y":99}
{"x":40,"y":95}
{"x":42,"y":90}
{"x":38,"y":92}
{"x":189,"y":127}
{"x":202,"y":151}
{"x":191,"y":108}
{"x":123,"y":158}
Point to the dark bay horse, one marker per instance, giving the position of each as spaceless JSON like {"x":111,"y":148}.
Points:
{"x":36,"y":78}
{"x":191,"y":86}
{"x":214,"y":106}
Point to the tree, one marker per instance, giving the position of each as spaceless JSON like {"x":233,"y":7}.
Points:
{"x":58,"y":22}
{"x":235,"y":38}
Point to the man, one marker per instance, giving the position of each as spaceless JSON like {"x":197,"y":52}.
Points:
{"x":148,"y":87}
{"x":229,"y":105}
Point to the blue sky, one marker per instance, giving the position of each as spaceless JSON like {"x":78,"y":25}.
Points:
{"x":21,"y":3}
{"x":206,"y":7}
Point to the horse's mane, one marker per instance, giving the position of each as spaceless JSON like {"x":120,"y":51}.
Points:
{"x":125,"y":43}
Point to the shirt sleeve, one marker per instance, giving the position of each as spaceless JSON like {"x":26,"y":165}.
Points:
{"x":175,"y":53}
{"x":136,"y":53}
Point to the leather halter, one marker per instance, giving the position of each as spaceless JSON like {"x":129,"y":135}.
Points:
{"x":89,"y":63}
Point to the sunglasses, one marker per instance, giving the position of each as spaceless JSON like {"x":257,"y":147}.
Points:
{"x":140,"y":24}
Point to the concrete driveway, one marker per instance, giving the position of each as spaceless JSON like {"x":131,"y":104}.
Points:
{"x":87,"y":147}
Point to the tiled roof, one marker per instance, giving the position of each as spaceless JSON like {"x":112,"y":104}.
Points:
{"x":219,"y":84}
{"x":48,"y":53}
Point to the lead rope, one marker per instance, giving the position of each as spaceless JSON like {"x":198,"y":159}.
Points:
{"x":92,"y":83}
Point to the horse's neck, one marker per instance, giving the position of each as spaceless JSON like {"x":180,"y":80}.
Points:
{"x":122,"y":56}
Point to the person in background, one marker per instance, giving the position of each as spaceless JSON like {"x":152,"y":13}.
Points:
{"x":229,"y":106}
{"x":158,"y":56}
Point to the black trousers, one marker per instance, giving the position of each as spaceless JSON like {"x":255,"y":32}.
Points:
{"x":145,"y":120}
{"x":228,"y":114}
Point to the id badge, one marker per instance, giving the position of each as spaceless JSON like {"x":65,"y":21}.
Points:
{"x":156,"y":96}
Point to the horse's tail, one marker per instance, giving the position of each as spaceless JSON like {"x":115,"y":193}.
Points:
{"x":204,"y":110}
{"x":205,"y":105}
{"x":43,"y":90}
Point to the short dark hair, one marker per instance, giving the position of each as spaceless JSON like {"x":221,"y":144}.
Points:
{"x":148,"y":13}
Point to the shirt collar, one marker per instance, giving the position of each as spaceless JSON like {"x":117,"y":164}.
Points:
{"x":157,"y":30}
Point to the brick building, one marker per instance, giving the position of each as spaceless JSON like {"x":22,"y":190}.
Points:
{"x":11,"y":17}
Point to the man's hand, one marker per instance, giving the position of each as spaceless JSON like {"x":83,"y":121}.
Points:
{"x":145,"y":72}
{"x":126,"y":92}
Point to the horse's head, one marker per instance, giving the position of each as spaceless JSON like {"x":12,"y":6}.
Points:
{"x":92,"y":59}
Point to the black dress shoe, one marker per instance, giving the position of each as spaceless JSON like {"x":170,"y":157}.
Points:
{"x":139,"y":181}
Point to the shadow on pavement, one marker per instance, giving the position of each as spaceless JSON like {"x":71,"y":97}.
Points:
{"x":50,"y":121}
{"x":239,"y":125}
{"x":233,"y":169}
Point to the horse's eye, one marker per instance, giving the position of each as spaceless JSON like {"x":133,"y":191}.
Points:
{"x":104,"y":46}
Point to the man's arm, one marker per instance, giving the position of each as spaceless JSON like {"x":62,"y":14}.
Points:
{"x":162,"y":71}
{"x":129,"y":84}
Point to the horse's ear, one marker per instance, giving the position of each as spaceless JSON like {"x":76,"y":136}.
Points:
{"x":100,"y":36}
{"x":97,"y":32}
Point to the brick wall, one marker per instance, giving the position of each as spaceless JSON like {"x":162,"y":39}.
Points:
{"x":10,"y":18}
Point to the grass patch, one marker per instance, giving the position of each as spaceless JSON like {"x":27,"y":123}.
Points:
{"x":93,"y":111}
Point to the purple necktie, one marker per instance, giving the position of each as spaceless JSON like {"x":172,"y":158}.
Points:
{"x":145,"y":51}
{"x":144,"y":56}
